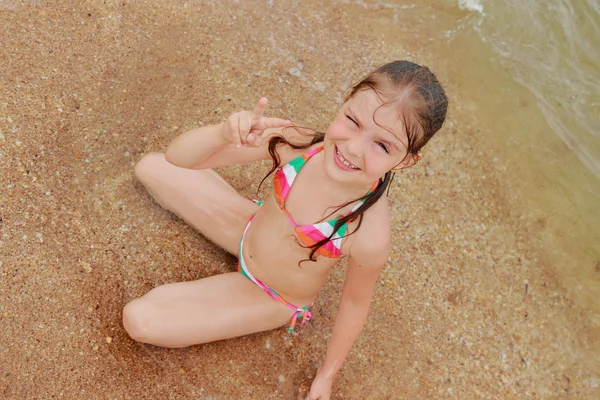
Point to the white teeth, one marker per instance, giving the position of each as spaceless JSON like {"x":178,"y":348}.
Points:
{"x":343,"y":160}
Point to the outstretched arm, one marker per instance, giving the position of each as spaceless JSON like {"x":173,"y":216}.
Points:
{"x":363,"y":268}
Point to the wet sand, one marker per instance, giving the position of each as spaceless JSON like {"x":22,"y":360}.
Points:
{"x":469,"y":306}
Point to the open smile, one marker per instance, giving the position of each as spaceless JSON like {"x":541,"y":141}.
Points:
{"x":342,"y":162}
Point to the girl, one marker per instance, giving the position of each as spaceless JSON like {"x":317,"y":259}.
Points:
{"x":328,"y":203}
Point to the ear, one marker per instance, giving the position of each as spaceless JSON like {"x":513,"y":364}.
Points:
{"x":409,"y":161}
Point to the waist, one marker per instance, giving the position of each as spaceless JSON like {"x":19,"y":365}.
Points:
{"x":277,"y":266}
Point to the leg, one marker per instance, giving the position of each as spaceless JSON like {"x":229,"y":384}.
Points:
{"x":200,"y":197}
{"x":219,"y":307}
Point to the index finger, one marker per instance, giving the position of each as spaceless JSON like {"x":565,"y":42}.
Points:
{"x":274,"y":122}
{"x":259,"y":108}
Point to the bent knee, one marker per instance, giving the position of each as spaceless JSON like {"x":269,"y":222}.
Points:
{"x":144,"y":323}
{"x":148,"y":166}
{"x":137,"y":320}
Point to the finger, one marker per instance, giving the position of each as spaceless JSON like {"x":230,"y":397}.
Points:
{"x":238,"y":135}
{"x":274,"y":122}
{"x":244,"y":128}
{"x":259,"y":108}
{"x":234,"y":129}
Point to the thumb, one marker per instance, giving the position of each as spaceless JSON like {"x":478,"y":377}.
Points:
{"x":274,"y":122}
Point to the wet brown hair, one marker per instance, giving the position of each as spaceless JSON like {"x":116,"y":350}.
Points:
{"x":422,"y":106}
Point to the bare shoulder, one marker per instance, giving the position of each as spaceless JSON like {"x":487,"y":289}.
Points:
{"x":371,"y":243}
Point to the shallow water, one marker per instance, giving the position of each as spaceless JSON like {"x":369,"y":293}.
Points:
{"x":526,"y":73}
{"x":538,"y":92}
{"x":551,"y":48}
{"x":492,"y":286}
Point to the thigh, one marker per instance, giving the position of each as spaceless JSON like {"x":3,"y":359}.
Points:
{"x":215,"y":308}
{"x":200,"y":197}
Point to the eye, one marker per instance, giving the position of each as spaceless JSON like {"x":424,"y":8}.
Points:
{"x":383,"y":146}
{"x":353,"y":121}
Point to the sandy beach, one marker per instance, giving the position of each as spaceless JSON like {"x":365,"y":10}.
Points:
{"x":469,"y":306}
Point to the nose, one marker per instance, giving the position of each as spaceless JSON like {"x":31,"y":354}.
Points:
{"x":355,"y":146}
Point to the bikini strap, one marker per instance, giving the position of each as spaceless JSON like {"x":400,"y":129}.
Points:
{"x":301,"y":313}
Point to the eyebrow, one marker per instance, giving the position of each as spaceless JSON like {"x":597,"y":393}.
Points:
{"x":396,"y":142}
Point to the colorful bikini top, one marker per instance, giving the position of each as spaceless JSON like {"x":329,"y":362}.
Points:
{"x":309,"y":235}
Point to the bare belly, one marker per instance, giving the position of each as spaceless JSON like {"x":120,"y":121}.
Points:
{"x":273,"y":256}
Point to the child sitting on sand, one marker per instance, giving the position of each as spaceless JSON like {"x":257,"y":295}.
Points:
{"x":329,"y":202}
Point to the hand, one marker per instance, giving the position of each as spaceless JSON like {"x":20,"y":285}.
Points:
{"x":245,"y":128}
{"x":320,"y":388}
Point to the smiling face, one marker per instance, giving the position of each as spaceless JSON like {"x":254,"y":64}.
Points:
{"x":365,"y":141}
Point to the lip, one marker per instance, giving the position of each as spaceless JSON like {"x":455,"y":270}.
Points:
{"x":339,"y":163}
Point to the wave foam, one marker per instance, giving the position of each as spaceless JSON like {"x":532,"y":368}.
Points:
{"x":471,"y":5}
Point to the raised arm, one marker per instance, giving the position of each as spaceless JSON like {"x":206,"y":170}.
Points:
{"x":238,"y":140}
{"x":364,"y":264}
